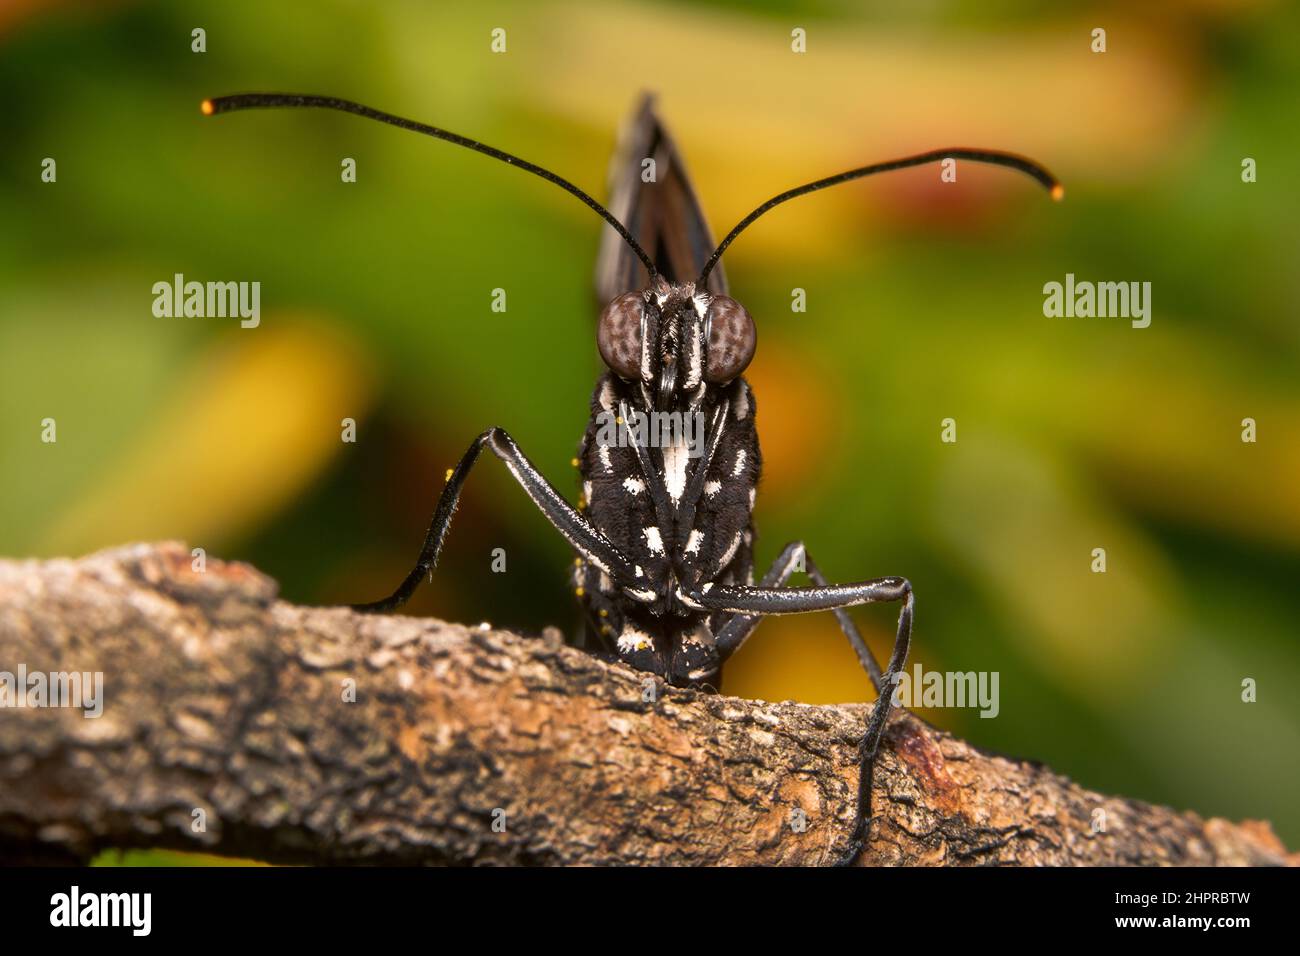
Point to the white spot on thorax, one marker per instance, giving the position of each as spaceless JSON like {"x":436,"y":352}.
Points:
{"x":693,"y":541}
{"x":694,"y":367}
{"x":653,"y":539}
{"x":711,"y":488}
{"x":731,"y":551}
{"x":740,"y":463}
{"x":675,"y":457}
{"x":634,"y":486}
{"x":633,"y":640}
{"x":740,"y":404}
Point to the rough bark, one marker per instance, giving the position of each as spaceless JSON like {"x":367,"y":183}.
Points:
{"x":221,"y":699}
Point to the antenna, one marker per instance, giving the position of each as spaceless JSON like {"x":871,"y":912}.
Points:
{"x":251,"y":101}
{"x":990,"y":156}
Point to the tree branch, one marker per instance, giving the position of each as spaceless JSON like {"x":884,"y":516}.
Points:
{"x":218,"y":698}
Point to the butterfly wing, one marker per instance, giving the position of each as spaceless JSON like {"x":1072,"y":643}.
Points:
{"x":659,"y":208}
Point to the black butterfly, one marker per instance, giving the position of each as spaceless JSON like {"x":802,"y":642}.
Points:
{"x":670,"y":459}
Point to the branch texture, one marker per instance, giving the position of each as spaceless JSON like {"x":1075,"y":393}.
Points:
{"x":235,"y":723}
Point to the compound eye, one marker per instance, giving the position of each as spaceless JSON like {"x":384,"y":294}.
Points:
{"x":732,"y":338}
{"x":618,"y":334}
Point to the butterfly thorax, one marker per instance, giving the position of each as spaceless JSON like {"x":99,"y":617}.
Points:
{"x":677,"y":504}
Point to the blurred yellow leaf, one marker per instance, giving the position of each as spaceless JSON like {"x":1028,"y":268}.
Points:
{"x":242,"y":434}
{"x":1026,"y":530}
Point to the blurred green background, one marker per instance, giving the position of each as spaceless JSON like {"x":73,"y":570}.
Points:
{"x":924,"y":302}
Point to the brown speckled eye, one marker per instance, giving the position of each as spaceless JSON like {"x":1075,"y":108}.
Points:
{"x":732,"y":338}
{"x":618,"y":334}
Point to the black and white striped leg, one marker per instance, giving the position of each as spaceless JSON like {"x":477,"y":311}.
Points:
{"x":737,"y":629}
{"x":762,"y":599}
{"x":584,"y":538}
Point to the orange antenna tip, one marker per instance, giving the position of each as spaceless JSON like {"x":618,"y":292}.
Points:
{"x":206,"y":108}
{"x":1058,"y":192}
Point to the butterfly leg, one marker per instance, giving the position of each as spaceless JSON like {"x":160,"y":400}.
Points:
{"x":576,"y":529}
{"x":739,"y":627}
{"x":767,"y":598}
